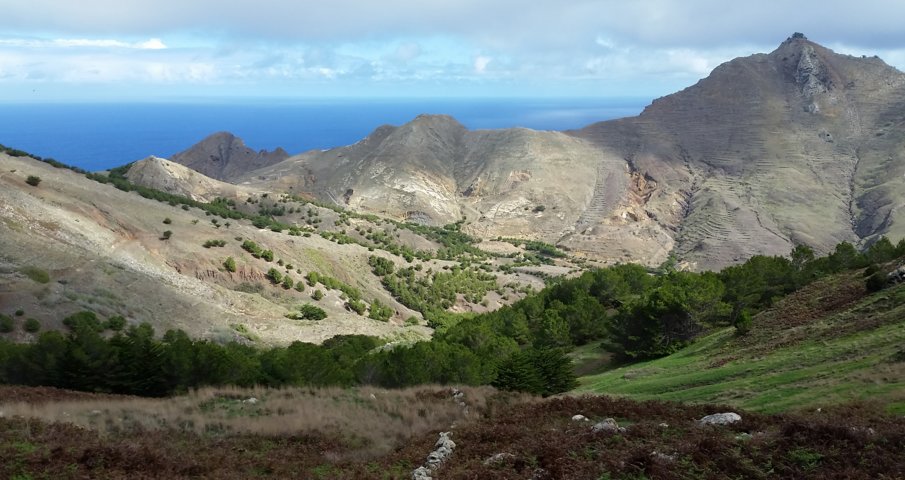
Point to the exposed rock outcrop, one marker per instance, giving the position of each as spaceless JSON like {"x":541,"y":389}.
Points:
{"x":720,"y":419}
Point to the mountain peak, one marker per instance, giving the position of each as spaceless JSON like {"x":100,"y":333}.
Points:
{"x":222,"y":155}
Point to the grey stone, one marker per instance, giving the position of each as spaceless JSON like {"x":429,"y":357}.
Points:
{"x":721,"y":419}
{"x":607,"y":425}
{"x":422,"y":473}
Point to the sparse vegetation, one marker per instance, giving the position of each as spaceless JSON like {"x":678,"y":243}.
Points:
{"x":214,"y":243}
{"x":35,"y":274}
{"x":33,"y":180}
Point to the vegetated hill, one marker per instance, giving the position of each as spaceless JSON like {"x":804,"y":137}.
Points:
{"x":71,"y":244}
{"x":222,"y":156}
{"x":798,"y":146}
{"x":377,"y":434}
{"x":830,"y":342}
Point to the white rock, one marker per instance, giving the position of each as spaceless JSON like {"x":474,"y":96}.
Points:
{"x":580,"y":418}
{"x":251,"y":400}
{"x":607,"y":425}
{"x":721,"y":419}
{"x":422,"y":473}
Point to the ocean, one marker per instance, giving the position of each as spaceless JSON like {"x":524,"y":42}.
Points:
{"x":101,"y":136}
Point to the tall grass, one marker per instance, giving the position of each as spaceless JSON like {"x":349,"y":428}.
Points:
{"x":373,"y":419}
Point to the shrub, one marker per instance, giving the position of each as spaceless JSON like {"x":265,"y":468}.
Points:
{"x":287,"y":282}
{"x":229,"y":264}
{"x":379,"y":311}
{"x":31,"y":325}
{"x":167,"y":221}
{"x":36,"y":274}
{"x":274,"y":275}
{"x":20,"y":312}
{"x":317,"y":295}
{"x":357,"y":306}
{"x":875,"y":282}
{"x":6,"y":324}
{"x":115,"y":324}
{"x":300,"y":286}
{"x":267,"y":255}
{"x":309,"y":312}
{"x":166,"y":235}
{"x":214,"y":243}
{"x":743,"y":323}
{"x":33,"y":180}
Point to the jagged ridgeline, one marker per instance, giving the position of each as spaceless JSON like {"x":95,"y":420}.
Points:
{"x":798,"y":146}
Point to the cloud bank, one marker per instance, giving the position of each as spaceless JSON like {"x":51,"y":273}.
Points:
{"x":399,"y":47}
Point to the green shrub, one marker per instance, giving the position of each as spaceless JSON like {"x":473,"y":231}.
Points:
{"x":317,"y":295}
{"x":115,"y":324}
{"x":167,"y":221}
{"x":214,"y":243}
{"x":743,"y":323}
{"x":300,"y":286}
{"x":274,"y":276}
{"x":308,"y":312}
{"x":166,"y":235}
{"x":356,"y":306}
{"x":288,"y":282}
{"x":31,"y":325}
{"x":36,"y":274}
{"x":20,"y":312}
{"x":33,"y":180}
{"x":6,"y":324}
{"x":229,"y":264}
{"x":875,"y":282}
{"x":379,"y":311}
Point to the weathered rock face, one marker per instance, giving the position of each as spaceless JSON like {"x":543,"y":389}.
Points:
{"x":800,"y":145}
{"x":770,"y":151}
{"x":223,"y":156}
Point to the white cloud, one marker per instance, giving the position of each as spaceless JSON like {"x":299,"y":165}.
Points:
{"x":480,"y":64}
{"x":654,"y":46}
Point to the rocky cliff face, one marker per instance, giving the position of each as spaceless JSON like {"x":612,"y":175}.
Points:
{"x":801,"y":145}
{"x":222,"y":156}
{"x":770,"y":151}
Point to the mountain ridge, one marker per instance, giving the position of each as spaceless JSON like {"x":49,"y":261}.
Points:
{"x":767,"y":152}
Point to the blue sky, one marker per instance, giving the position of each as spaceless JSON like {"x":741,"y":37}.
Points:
{"x":116,"y":50}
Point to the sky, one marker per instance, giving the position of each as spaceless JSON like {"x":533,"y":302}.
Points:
{"x":154,"y":50}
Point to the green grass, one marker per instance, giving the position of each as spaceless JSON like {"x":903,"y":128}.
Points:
{"x":822,"y":369}
{"x":36,"y":274}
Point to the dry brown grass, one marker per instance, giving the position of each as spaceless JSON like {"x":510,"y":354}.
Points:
{"x":375,"y":420}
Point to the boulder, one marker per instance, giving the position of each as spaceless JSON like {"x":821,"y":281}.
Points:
{"x":607,"y":425}
{"x":580,"y":418}
{"x":720,"y":419}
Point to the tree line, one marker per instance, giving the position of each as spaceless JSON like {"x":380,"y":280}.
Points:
{"x":633,"y":313}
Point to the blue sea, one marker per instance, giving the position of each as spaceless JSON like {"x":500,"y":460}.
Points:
{"x":100,"y":136}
